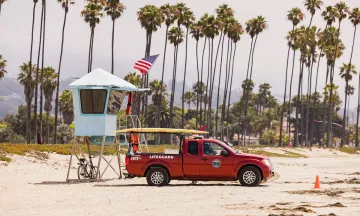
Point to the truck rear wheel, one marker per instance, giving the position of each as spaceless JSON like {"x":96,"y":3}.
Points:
{"x":157,"y":176}
{"x":249,"y":176}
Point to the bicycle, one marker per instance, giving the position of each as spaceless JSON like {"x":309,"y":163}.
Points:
{"x":86,"y":170}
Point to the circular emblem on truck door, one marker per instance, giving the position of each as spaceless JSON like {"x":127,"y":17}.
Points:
{"x":216,"y":163}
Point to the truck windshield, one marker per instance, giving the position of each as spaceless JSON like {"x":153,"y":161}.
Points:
{"x":233,"y":150}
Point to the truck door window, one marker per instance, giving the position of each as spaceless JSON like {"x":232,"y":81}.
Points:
{"x":213,"y":149}
{"x":193,"y":147}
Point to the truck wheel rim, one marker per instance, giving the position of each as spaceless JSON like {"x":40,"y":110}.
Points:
{"x":157,"y":178}
{"x":249,"y":177}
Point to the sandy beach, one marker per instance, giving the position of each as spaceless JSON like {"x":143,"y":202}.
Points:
{"x":31,"y":185}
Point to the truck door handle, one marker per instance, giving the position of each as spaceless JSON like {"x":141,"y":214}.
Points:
{"x":204,"y":159}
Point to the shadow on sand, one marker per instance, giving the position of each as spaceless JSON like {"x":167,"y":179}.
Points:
{"x":177,"y":185}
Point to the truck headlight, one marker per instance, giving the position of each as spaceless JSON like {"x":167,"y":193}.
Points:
{"x":267,"y":162}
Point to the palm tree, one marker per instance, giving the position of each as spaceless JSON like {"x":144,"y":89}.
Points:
{"x":211,"y":27}
{"x":158,"y":91}
{"x":165,"y":115}
{"x":92,"y":14}
{"x":188,"y":98}
{"x":329,"y":15}
{"x":168,"y":14}
{"x":226,"y":16}
{"x":235,"y":36}
{"x":330,"y":38}
{"x":29,"y":86}
{"x":202,"y":23}
{"x":346,"y":72}
{"x":114,"y":9}
{"x":343,"y":10}
{"x":187,"y":19}
{"x":311,"y":6}
{"x":150,"y":18}
{"x":295,"y":16}
{"x":2,"y":67}
{"x":42,"y":66}
{"x":197,"y":33}
{"x":65,"y":6}
{"x":176,"y":37}
{"x":254,"y":28}
{"x":37,"y":71}
{"x":66,"y":106}
{"x":355,"y":20}
{"x":49,"y":86}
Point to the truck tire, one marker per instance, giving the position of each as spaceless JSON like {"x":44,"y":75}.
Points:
{"x":249,"y":176}
{"x":157,"y":176}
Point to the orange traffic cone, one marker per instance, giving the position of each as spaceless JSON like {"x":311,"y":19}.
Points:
{"x":317,"y":183}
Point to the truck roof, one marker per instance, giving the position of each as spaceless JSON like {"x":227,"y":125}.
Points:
{"x":161,"y":130}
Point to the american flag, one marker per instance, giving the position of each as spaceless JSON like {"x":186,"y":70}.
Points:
{"x":145,"y":64}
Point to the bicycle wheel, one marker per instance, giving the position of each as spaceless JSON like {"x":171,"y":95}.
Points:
{"x":82,"y":172}
{"x":93,"y":172}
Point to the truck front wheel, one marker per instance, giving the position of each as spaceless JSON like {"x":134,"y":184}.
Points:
{"x":157,"y":176}
{"x":249,"y":176}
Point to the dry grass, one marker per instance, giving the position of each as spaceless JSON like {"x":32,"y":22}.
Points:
{"x":4,"y":158}
{"x":65,"y":149}
{"x":262,"y":152}
{"x":350,"y":150}
{"x":331,"y":192}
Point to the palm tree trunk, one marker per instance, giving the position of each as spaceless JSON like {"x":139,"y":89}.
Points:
{"x":90,"y":44}
{"x":213,"y":79}
{"x":183,"y":89}
{"x":112,"y":47}
{"x":331,"y":110}
{"x":218,"y":92}
{"x":42,"y":68}
{"x":198,"y":80}
{"x":308,"y":100}
{"x":162,"y":77}
{"x":230,"y":90}
{"x":298,"y":103}
{"x":28,"y":119}
{"x":325,"y":124}
{"x":207,"y":84}
{"x":173,"y":88}
{"x":227,"y":76}
{"x":37,"y":76}
{"x":248,"y":92}
{"x":147,"y":81}
{"x":58,"y":78}
{"x":248,"y":66}
{"x":283,"y":106}
{"x":92,"y":47}
{"x":47,"y":126}
{"x":202,"y":70}
{"x":343,"y":136}
{"x":314,"y":102}
{"x":290,"y":88}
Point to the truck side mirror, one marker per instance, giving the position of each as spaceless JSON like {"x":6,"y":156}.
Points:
{"x":224,"y":153}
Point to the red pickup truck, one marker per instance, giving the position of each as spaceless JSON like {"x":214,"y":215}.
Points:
{"x":200,"y":159}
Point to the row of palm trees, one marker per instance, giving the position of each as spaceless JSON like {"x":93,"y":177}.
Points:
{"x":207,"y":28}
{"x":309,"y":40}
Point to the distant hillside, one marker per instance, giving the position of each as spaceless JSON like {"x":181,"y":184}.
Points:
{"x":12,"y":94}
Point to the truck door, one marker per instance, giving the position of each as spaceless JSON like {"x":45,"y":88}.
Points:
{"x":213,"y":163}
{"x":191,"y":158}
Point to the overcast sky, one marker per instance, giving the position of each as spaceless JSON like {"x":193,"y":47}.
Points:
{"x":270,"y":53}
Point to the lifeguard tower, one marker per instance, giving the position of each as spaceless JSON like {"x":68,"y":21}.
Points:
{"x":97,"y":99}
